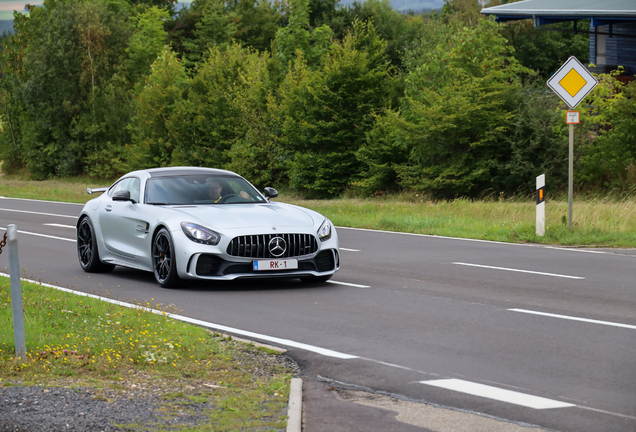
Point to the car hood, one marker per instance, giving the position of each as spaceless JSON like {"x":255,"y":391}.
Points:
{"x":228,"y":216}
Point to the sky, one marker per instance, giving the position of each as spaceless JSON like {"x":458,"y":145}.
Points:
{"x":8,"y":6}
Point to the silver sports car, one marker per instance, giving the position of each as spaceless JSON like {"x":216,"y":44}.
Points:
{"x":202,"y":223}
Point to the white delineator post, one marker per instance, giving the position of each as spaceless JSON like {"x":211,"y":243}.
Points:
{"x":541,"y":205}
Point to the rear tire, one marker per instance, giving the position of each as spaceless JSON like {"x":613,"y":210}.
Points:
{"x":87,"y":252}
{"x":163,"y":260}
{"x":316,"y":279}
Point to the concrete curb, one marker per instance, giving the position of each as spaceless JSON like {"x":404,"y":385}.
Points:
{"x":295,"y":407}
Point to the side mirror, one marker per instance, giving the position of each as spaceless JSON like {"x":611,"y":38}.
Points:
{"x":122,"y":195}
{"x":270,"y":192}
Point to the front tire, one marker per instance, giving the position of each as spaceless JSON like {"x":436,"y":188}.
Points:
{"x":163,"y":260}
{"x":87,"y":252}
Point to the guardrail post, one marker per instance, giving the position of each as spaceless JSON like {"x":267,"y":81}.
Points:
{"x":16,"y":293}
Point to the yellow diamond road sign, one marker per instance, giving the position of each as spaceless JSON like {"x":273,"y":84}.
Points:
{"x":572,"y":82}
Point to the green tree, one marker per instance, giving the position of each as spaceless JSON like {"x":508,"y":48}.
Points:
{"x":536,"y":141}
{"x":400,"y":31}
{"x":258,"y":23}
{"x":384,"y":154}
{"x":326,"y":113}
{"x":608,"y":116}
{"x":68,"y":49}
{"x":459,"y":104}
{"x":257,"y":151}
{"x":206,"y":24}
{"x":298,"y":36}
{"x":162,"y":93}
{"x":545,"y":51}
{"x":12,"y":51}
{"x":146,"y":43}
{"x":206,"y":123}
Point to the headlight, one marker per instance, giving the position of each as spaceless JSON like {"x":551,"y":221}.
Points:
{"x":198,"y":234}
{"x":324,"y":232}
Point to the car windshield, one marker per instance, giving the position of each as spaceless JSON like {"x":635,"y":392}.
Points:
{"x":200,"y":189}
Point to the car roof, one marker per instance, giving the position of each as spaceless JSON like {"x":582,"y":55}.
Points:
{"x":172,"y":171}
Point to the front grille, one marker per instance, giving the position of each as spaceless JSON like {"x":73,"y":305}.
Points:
{"x":256,"y":246}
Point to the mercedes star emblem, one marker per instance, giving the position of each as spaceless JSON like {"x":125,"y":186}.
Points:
{"x":277,"y":246}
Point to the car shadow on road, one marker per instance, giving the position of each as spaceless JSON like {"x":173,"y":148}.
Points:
{"x":239,"y":285}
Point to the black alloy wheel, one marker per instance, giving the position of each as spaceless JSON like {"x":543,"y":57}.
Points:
{"x":163,"y":259}
{"x":87,"y":249}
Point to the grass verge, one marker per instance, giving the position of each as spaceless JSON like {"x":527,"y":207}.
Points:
{"x":80,"y":342}
{"x":600,"y":221}
{"x":597,"y":222}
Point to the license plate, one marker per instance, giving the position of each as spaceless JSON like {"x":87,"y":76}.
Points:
{"x":285,"y":264}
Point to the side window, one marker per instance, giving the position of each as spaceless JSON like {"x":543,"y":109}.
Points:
{"x":134,"y":188}
{"x":130,"y":184}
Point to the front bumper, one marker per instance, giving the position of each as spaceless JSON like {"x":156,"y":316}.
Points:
{"x":217,"y":267}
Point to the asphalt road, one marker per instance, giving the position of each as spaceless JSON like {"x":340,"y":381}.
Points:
{"x":537,"y":335}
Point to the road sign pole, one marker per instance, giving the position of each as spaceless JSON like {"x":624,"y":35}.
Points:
{"x":572,"y":83}
{"x":570,"y":175}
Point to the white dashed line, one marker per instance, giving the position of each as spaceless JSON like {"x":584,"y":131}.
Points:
{"x":348,"y":284}
{"x":572,"y":318}
{"x":518,"y":270}
{"x":39,"y":213}
{"x":60,"y":226}
{"x":43,"y":235}
{"x":575,"y":250}
{"x":497,"y":393}
{"x":350,"y":250}
{"x":40,"y":201}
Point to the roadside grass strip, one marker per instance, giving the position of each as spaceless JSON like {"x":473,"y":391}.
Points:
{"x":100,"y":343}
{"x":599,"y":221}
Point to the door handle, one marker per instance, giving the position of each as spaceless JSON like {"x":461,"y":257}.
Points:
{"x":109,"y":208}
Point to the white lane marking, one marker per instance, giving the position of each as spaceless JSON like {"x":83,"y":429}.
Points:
{"x":572,"y":318}
{"x":430,"y":235}
{"x":497,"y":393}
{"x":606,"y":412}
{"x":472,"y":240}
{"x":45,"y":201}
{"x":350,"y":250}
{"x":318,"y":350}
{"x":575,"y":250}
{"x":285,"y":342}
{"x":43,"y":235}
{"x":60,"y":226}
{"x":348,"y":284}
{"x":38,"y":213}
{"x":520,"y":271}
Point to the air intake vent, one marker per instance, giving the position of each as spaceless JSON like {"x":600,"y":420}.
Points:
{"x":258,"y":246}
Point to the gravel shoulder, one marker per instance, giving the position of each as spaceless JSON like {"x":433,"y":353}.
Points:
{"x":140,"y":402}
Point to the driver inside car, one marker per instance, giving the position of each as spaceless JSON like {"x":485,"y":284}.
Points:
{"x":216,"y":190}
